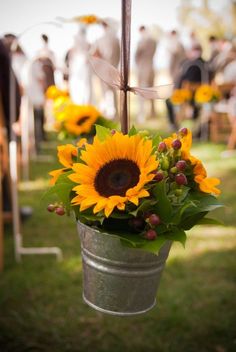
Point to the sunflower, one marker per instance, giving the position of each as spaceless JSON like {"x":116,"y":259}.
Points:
{"x":53,"y":93}
{"x":65,"y":154}
{"x":81,"y":119}
{"x":62,"y":108}
{"x":204,"y":94}
{"x":180,"y":96}
{"x":206,"y":184}
{"x":114,"y":173}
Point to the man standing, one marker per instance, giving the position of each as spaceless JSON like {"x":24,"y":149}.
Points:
{"x":145,"y":68}
{"x":108,"y":48}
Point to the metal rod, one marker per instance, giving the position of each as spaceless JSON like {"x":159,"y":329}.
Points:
{"x":125,"y":56}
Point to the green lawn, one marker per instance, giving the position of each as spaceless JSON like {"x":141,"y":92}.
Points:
{"x":41,"y":307}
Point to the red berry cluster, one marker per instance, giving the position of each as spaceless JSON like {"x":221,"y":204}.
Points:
{"x":148,"y":225}
{"x":55,"y":208}
{"x":153,"y":220}
{"x":171,"y":166}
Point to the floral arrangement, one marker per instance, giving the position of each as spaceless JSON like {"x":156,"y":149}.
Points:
{"x":206,"y":94}
{"x":144,"y":189}
{"x":181,"y":96}
{"x":72,"y":120}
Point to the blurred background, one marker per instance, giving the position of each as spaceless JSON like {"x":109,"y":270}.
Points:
{"x":188,"y":44}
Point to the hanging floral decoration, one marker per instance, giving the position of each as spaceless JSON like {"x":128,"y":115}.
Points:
{"x":145,"y":190}
{"x":72,"y":120}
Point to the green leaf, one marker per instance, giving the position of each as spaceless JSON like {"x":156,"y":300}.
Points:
{"x":132,"y":131}
{"x":163,"y":207}
{"x":162,"y":228}
{"x":63,"y":178}
{"x":178,"y":214}
{"x":205,"y":202}
{"x":102,"y":121}
{"x":144,"y":206}
{"x":116,"y":215}
{"x":85,"y":218}
{"x":155,"y":246}
{"x":102,"y":132}
{"x":177,"y":234}
{"x":62,"y":192}
{"x":156,"y":140}
{"x":189,"y":222}
{"x":209,"y":221}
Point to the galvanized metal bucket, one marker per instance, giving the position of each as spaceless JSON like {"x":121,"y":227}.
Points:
{"x":119,"y":280}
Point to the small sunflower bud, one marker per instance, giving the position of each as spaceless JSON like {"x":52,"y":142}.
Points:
{"x":173,"y":170}
{"x":165,"y":164}
{"x":178,"y":192}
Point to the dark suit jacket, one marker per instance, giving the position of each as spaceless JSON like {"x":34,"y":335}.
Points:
{"x":5,"y":72}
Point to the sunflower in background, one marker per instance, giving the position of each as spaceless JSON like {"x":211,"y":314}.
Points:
{"x":206,"y":94}
{"x":181,"y":96}
{"x":80,"y":119}
{"x":53,"y":92}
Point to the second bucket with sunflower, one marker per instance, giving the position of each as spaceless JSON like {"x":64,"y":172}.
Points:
{"x":117,"y":280}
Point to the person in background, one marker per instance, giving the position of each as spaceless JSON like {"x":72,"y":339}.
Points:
{"x":107,"y":47}
{"x":47,"y":60}
{"x":18,"y":57}
{"x":177,"y":54}
{"x":34,"y":83}
{"x":214,"y":52}
{"x":144,"y":56}
{"x":193,"y":71}
{"x":79,"y":70}
{"x":6,"y":74}
{"x":227,"y":54}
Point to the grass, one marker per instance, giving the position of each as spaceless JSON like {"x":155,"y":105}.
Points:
{"x":41,"y":307}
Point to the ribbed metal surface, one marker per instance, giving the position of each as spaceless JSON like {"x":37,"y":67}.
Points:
{"x":116,"y":279}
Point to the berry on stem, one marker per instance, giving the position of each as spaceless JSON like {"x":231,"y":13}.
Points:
{"x":154,"y":220}
{"x":136,"y":223}
{"x":183,"y":131}
{"x":150,"y":235}
{"x":60,"y":211}
{"x":162,"y":147}
{"x":51,"y":208}
{"x":176,"y":144}
{"x":159,"y":176}
{"x":181,"y":165}
{"x":181,"y":179}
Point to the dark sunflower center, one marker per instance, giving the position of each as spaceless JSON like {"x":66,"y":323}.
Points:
{"x":116,"y":177}
{"x":82,"y":120}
